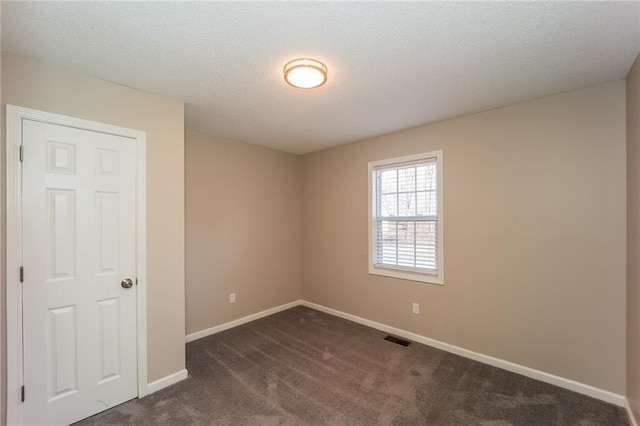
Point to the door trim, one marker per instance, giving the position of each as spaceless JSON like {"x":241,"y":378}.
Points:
{"x":15,"y":115}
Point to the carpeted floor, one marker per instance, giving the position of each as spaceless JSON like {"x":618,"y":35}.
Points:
{"x":302,"y":366}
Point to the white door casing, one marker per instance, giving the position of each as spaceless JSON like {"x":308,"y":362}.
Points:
{"x":82,"y":202}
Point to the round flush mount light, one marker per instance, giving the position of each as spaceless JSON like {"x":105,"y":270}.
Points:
{"x":305,"y":73}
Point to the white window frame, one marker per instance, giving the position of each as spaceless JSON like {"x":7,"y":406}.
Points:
{"x":407,"y":273}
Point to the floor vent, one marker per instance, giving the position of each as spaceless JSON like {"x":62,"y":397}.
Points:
{"x":398,"y":340}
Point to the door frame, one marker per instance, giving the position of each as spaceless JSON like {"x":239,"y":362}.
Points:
{"x":15,"y":115}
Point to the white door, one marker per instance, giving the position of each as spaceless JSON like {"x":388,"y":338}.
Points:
{"x":79,"y":238}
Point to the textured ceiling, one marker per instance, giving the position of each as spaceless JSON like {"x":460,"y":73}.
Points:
{"x":391,"y":65}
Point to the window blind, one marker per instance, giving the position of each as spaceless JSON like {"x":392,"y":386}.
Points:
{"x":406,"y":216}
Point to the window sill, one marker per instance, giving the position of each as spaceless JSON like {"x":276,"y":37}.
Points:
{"x":406,"y":275}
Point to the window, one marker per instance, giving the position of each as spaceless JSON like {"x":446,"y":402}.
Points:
{"x":405,"y":226}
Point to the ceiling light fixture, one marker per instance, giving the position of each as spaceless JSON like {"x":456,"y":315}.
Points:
{"x":305,"y":73}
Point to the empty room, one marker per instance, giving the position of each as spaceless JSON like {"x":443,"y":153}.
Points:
{"x":320,"y":213}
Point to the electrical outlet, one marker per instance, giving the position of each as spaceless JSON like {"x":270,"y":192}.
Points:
{"x":416,"y":308}
{"x":232,"y":298}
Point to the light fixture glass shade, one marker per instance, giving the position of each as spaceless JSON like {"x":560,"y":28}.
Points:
{"x":305,"y":73}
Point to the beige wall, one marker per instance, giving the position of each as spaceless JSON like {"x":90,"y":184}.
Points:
{"x":633,"y":238}
{"x":534,"y":210}
{"x":35,"y":85}
{"x":243,"y":229}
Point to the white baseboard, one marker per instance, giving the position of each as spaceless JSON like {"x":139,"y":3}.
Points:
{"x":572,"y":385}
{"x":227,"y":325}
{"x":167,"y":381}
{"x":632,"y":418}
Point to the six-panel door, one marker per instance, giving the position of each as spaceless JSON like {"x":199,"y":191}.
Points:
{"x":79,"y":245}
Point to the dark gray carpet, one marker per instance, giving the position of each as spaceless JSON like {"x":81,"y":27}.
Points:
{"x":302,"y":366}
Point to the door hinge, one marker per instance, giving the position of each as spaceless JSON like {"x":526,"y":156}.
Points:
{"x":136,"y":280}
{"x":22,"y":274}
{"x":21,"y":153}
{"x":22,"y":392}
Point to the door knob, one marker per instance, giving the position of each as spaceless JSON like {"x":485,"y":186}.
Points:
{"x":126,"y":283}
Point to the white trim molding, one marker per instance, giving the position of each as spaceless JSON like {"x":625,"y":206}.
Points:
{"x":15,"y":115}
{"x":14,"y":262}
{"x":141,"y":261}
{"x":231,"y":324}
{"x":632,"y":418}
{"x":169,"y":380}
{"x":572,"y":385}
